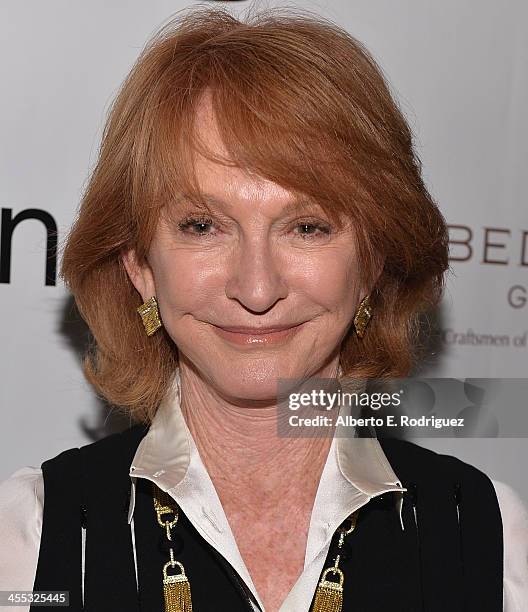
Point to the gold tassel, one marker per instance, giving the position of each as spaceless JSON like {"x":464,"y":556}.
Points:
{"x":329,"y":594}
{"x":177,"y":590}
{"x":176,"y":587}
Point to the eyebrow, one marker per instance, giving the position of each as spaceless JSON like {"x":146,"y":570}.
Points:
{"x":300,"y":205}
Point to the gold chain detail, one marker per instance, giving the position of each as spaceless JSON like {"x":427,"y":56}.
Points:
{"x":176,"y":587}
{"x":329,"y":593}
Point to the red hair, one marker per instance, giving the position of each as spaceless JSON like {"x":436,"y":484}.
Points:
{"x":298,"y":101}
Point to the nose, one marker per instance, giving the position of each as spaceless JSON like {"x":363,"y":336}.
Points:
{"x":255,"y":277}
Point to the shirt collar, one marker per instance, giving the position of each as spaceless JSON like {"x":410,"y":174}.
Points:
{"x":362,"y":461}
{"x":164,"y":453}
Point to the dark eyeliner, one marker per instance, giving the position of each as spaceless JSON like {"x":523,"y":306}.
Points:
{"x":193,"y":220}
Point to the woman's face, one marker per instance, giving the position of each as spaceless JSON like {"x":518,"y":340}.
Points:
{"x":256,"y":263}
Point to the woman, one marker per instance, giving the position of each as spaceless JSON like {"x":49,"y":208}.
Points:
{"x":258,"y":202}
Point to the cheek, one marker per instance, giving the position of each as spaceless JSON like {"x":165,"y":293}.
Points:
{"x":331,"y":279}
{"x":185,"y":282}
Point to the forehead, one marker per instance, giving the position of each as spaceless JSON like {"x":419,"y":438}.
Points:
{"x":221,"y":180}
{"x":206,"y":126}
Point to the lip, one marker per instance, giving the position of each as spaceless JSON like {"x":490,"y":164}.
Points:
{"x":255,"y":336}
{"x":253,"y":331}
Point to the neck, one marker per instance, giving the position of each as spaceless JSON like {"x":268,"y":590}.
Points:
{"x":252,"y":466}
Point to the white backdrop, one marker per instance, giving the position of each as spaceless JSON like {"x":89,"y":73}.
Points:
{"x":457,"y":67}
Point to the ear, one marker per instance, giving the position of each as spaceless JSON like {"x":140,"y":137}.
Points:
{"x":140,"y":275}
{"x":380,"y":264}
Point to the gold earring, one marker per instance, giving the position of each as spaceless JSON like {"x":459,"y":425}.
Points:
{"x":150,"y":315}
{"x":363,"y":315}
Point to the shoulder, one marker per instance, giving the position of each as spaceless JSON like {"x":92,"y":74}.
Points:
{"x":514,"y":514}
{"x":21,"y":506}
{"x":115,"y":450}
{"x":412,"y":462}
{"x":22,"y":500}
{"x":513,"y":508}
{"x":121,"y":445}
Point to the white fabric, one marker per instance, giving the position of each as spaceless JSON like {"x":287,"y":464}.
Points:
{"x":355,"y":471}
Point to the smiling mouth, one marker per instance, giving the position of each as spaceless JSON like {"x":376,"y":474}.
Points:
{"x":254,"y":336}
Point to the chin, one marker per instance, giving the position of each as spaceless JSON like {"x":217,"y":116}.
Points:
{"x":256,"y":381}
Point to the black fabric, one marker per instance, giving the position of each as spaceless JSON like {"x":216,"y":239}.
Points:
{"x":59,"y":562}
{"x":100,"y":474}
{"x":381,"y":565}
{"x":460,"y":556}
{"x":448,"y":558}
{"x":213,"y":585}
{"x":439,"y":562}
{"x":110,"y":582}
{"x":89,"y":485}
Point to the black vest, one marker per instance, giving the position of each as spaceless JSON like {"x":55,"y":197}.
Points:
{"x":449,"y":558}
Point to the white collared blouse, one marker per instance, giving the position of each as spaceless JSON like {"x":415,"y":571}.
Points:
{"x":356,"y":470}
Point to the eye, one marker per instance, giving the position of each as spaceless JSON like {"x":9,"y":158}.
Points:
{"x":189,"y":224}
{"x":313,"y":230}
